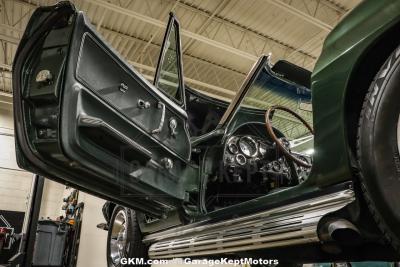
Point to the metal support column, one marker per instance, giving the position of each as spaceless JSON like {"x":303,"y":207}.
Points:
{"x":25,"y":254}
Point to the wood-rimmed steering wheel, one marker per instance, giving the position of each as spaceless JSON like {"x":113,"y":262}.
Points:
{"x":268,"y":123}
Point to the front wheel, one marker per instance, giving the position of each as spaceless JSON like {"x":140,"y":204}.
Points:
{"x":124,"y":239}
{"x":378,"y":148}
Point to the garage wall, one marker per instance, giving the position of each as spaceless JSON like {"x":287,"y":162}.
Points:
{"x":53,"y":193}
{"x":15,"y":184}
{"x":6,"y":118}
{"x":92,"y":250}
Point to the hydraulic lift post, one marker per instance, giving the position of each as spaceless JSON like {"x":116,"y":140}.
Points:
{"x":25,"y":253}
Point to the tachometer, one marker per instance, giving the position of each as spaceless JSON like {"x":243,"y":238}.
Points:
{"x":248,"y":146}
{"x":232,"y":145}
{"x":233,"y":148}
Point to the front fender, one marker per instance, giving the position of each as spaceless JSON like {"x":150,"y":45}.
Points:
{"x":342,"y":50}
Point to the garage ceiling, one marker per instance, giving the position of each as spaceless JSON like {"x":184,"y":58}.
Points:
{"x":221,"y":39}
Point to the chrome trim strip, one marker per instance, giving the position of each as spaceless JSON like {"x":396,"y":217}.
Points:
{"x":295,"y":223}
{"x":247,"y":83}
{"x":160,"y":126}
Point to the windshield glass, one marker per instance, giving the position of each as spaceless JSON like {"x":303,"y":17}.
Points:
{"x":269,"y":90}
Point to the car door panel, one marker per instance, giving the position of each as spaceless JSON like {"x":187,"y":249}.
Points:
{"x":78,"y":120}
{"x":122,"y":90}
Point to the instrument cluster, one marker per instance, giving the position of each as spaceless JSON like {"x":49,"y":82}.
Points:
{"x":242,"y":150}
{"x":258,"y":155}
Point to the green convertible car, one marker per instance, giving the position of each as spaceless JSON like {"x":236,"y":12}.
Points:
{"x":298,"y":166}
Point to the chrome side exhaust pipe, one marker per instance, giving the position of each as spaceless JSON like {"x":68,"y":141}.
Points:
{"x":341,"y":231}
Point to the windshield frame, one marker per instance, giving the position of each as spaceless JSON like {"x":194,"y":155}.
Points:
{"x":247,"y":83}
{"x":236,"y":103}
{"x":263,"y":64}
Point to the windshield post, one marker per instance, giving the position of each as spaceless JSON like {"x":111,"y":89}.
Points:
{"x":247,"y":83}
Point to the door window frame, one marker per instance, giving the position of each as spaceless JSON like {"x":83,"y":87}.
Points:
{"x":173,"y":21}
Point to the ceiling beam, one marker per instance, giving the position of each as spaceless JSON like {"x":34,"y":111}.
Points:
{"x":9,"y":39}
{"x":206,"y":23}
{"x":296,"y":12}
{"x":184,"y":32}
{"x":335,"y":6}
{"x":241,"y":27}
{"x":6,"y":98}
{"x":105,"y":30}
{"x":161,"y":24}
{"x":10,"y":28}
{"x":5,"y":67}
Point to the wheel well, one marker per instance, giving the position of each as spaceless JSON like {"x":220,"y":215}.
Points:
{"x":367,"y":67}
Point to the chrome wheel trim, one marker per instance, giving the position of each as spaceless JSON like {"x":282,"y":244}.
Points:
{"x":118,"y":239}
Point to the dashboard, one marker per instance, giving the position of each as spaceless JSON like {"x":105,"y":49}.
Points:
{"x":244,"y":153}
{"x":241,"y":150}
{"x":252,"y":165}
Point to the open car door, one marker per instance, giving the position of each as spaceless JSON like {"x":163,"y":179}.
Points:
{"x":85,"y":117}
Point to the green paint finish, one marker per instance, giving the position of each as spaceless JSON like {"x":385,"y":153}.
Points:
{"x":342,"y":50}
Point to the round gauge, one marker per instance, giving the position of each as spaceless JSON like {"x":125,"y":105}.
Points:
{"x":233,"y":148}
{"x":276,"y":166}
{"x":262,"y":149}
{"x":240,"y":159}
{"x":248,"y":146}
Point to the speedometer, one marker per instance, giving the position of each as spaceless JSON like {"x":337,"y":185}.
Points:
{"x":248,"y":146}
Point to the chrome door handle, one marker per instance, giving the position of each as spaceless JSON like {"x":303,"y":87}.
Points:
{"x":162,"y":106}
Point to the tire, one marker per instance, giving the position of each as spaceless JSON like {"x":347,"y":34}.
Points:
{"x":126,"y":228}
{"x":378,"y":148}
